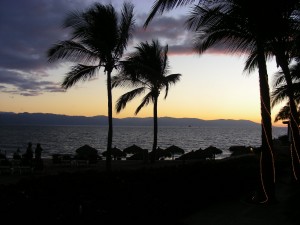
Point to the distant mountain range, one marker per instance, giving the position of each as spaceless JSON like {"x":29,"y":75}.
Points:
{"x":9,"y":118}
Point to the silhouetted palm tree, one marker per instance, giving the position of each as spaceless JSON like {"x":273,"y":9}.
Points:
{"x":234,"y":24}
{"x":241,"y":27}
{"x":98,"y":39}
{"x":286,"y":15}
{"x":146,"y":69}
{"x":281,"y":93}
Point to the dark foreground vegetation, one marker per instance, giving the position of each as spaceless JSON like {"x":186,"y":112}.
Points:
{"x":162,"y":195}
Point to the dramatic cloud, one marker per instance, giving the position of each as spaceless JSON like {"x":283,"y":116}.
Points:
{"x":172,"y":31}
{"x":168,"y":30}
{"x":29,"y":28}
{"x":18,"y":82}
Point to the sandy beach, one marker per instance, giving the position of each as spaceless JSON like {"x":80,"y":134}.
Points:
{"x":51,"y":168}
{"x":166,"y":192}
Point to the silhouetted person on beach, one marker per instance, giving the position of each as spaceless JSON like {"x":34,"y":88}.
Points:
{"x":17,"y":155}
{"x":38,"y":152}
{"x":27,"y":157}
{"x":38,"y":157}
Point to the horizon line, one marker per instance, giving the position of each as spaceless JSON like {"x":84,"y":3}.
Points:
{"x":143,"y":117}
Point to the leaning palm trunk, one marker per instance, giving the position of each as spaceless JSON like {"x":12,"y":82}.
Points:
{"x":293,"y":121}
{"x":267,"y":169}
{"x":110,"y":125}
{"x":154,"y":146}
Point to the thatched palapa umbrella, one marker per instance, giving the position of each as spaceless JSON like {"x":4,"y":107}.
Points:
{"x":208,"y":153}
{"x":175,"y":150}
{"x":133,"y":149}
{"x":142,"y":155}
{"x":115,"y":153}
{"x":213,"y":151}
{"x":160,"y":153}
{"x":87,"y":152}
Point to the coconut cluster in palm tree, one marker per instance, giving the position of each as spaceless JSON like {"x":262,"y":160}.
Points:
{"x":98,"y":39}
{"x":146,"y":70}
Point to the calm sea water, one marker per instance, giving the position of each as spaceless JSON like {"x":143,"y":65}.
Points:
{"x":66,"y":139}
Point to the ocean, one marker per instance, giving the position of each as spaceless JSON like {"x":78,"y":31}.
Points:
{"x":66,"y":139}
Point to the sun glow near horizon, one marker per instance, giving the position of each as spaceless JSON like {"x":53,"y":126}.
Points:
{"x":211,"y":87}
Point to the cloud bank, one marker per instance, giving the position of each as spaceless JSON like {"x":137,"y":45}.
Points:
{"x":29,"y":28}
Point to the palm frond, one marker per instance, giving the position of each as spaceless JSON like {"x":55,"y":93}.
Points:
{"x":231,"y":40}
{"x":125,"y":98}
{"x":76,"y":21}
{"x":164,"y":57}
{"x":203,"y":16}
{"x":278,"y":95}
{"x":221,"y":25}
{"x":71,"y":50}
{"x":102,"y":34}
{"x":283,"y":114}
{"x":145,"y":63}
{"x":79,"y":72}
{"x":295,"y":71}
{"x":161,"y":6}
{"x":125,"y":80}
{"x":146,"y":100}
{"x":170,"y":80}
{"x":120,"y":81}
{"x":125,"y":28}
{"x":278,"y":79}
{"x":296,"y":88}
{"x":251,"y":63}
{"x":280,"y":87}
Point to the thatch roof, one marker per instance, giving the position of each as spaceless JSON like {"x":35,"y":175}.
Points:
{"x":208,"y":153}
{"x":133,"y":149}
{"x":115,"y":153}
{"x":173,"y":149}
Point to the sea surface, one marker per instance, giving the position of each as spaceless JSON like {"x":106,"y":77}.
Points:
{"x":66,"y":139}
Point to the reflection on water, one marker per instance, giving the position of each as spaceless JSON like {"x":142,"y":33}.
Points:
{"x":66,"y":139}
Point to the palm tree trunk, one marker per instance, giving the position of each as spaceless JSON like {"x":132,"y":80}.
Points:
{"x":293,"y":121}
{"x":110,"y":125}
{"x":154,"y":146}
{"x":267,"y":169}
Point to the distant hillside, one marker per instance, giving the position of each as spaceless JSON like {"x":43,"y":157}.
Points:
{"x":8,"y":118}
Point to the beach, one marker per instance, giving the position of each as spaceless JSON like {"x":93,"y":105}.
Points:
{"x":51,"y":168}
{"x":166,"y":192}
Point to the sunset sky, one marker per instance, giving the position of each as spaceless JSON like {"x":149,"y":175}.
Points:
{"x":212,"y":86}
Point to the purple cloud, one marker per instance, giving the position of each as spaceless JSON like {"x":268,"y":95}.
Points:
{"x":168,"y":30}
{"x":29,"y":28}
{"x":18,"y":82}
{"x":172,"y":31}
